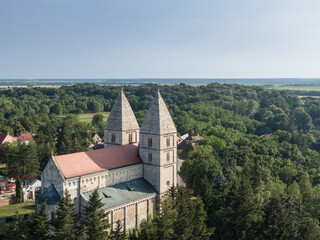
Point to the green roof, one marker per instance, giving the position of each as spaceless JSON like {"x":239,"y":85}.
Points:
{"x":123,"y":192}
{"x":50,"y":195}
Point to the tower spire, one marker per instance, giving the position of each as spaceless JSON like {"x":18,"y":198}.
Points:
{"x":122,"y":126}
{"x":157,"y":148}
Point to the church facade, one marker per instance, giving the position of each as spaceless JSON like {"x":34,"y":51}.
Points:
{"x":135,"y":167}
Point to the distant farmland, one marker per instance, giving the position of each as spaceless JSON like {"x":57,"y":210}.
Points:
{"x":87,"y":117}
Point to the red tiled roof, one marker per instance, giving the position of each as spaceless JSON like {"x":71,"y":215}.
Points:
{"x":25,"y":136}
{"x":81,"y":163}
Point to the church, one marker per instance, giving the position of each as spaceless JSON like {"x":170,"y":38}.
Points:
{"x":135,"y":167}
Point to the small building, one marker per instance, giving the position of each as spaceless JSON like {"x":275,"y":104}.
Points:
{"x":25,"y":137}
{"x":93,"y":137}
{"x":6,"y":138}
{"x":29,"y":191}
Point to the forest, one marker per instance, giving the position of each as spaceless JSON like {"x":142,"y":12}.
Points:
{"x":255,"y":175}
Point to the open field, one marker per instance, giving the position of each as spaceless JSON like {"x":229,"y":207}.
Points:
{"x":87,"y":117}
{"x":22,"y":208}
{"x":296,"y":87}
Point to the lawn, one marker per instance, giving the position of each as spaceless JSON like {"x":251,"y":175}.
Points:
{"x":87,"y":117}
{"x":22,"y":208}
{"x":2,"y":166}
{"x":10,"y":210}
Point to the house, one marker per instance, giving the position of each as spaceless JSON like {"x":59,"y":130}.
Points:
{"x":6,"y":138}
{"x":25,"y":137}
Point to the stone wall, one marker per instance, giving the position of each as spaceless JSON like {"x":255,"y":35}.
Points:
{"x":132,"y":214}
{"x":51,"y":175}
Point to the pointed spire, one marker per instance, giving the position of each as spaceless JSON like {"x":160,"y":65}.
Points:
{"x":121,"y":117}
{"x":158,"y":119}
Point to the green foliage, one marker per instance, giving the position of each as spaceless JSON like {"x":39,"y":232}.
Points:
{"x":23,"y":160}
{"x":179,"y":218}
{"x":66,"y":223}
{"x":118,"y":233}
{"x":18,"y":191}
{"x":38,"y":225}
{"x":18,"y":230}
{"x":96,"y":221}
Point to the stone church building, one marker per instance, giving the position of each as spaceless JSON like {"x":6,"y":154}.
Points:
{"x":133,"y":169}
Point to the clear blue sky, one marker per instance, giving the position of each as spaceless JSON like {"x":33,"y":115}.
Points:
{"x":159,"y":38}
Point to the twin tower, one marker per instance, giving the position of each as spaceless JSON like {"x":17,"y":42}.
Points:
{"x":157,"y":139}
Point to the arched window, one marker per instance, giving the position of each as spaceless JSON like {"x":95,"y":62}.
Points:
{"x":113,"y":138}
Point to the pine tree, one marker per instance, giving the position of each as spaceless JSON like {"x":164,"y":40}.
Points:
{"x":38,"y":224}
{"x":148,"y":230}
{"x":277,"y":224}
{"x":18,"y":191}
{"x":66,"y":224}
{"x":200,"y":231}
{"x":239,"y":216}
{"x":309,"y":229}
{"x":17,"y":230}
{"x":183,"y":221}
{"x":294,"y":191}
{"x":118,"y":233}
{"x":96,"y":221}
{"x":305,"y":187}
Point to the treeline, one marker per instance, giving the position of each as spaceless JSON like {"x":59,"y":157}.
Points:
{"x":180,"y":218}
{"x":251,"y":109}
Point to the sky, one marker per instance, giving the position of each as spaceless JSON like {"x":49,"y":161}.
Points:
{"x":159,"y":38}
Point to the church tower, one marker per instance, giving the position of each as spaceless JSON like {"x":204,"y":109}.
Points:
{"x":157,"y":147}
{"x":122,"y":127}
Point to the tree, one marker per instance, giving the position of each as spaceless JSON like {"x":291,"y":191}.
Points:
{"x":38,"y":224}
{"x":17,"y":231}
{"x":56,"y":109}
{"x":97,"y":120}
{"x":305,"y":187}
{"x":23,"y":160}
{"x":276,"y":223}
{"x":18,"y":191}
{"x":301,"y":119}
{"x":66,"y":225}
{"x":240,"y":213}
{"x":118,"y":233}
{"x":94,"y":106}
{"x":96,"y":221}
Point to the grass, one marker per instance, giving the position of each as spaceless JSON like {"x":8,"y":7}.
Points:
{"x":295,"y":87}
{"x":10,"y":210}
{"x":87,"y":117}
{"x":2,"y":166}
{"x":22,"y":208}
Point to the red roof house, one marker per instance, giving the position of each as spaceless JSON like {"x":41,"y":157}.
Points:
{"x":25,"y":136}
